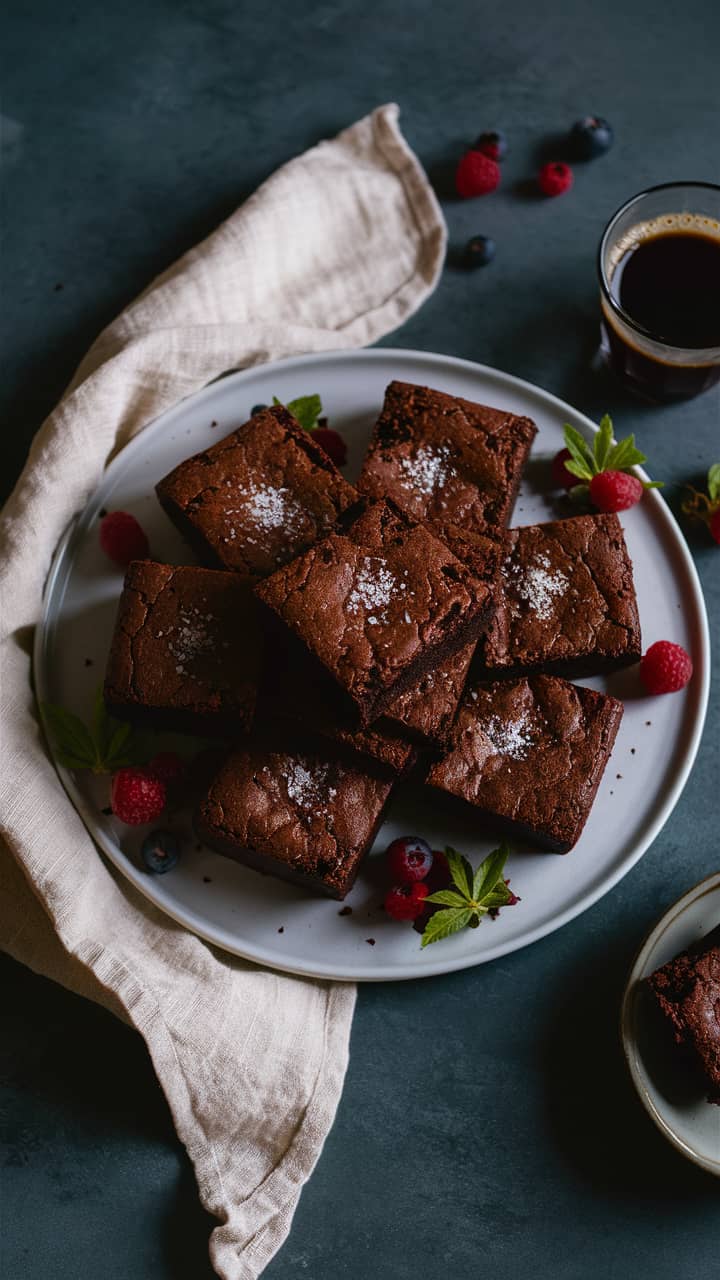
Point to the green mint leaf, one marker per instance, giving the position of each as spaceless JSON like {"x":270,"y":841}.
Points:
{"x":653,"y":484}
{"x":461,"y":872}
{"x":713,"y":482}
{"x":580,"y":451}
{"x":577,"y":469}
{"x":603,"y":442}
{"x":116,"y":754}
{"x":443,"y":923}
{"x":499,"y":896}
{"x":69,"y":736}
{"x":447,"y":898}
{"x":305,"y":409}
{"x":488,"y":873}
{"x":624,"y":455}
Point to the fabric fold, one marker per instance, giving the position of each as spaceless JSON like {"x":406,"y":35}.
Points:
{"x":336,"y":249}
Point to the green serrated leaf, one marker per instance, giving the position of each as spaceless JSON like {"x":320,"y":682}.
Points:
{"x":447,"y":898}
{"x":602,"y":444}
{"x":577,"y":469}
{"x":117,"y":745}
{"x":580,"y":450}
{"x":461,"y":872}
{"x":713,"y":482}
{"x":69,"y":736}
{"x":488,"y":873}
{"x":624,"y":455}
{"x":306,"y":410}
{"x":443,"y":923}
{"x":499,"y":896}
{"x":653,"y":484}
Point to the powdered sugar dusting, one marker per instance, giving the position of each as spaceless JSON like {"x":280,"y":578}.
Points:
{"x":373,"y":589}
{"x":426,"y":470}
{"x":307,"y":784}
{"x":512,"y":738}
{"x":192,"y":635}
{"x":538,"y":587}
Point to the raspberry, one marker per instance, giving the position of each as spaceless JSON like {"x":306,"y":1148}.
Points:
{"x":406,"y":901}
{"x":665,"y":668}
{"x":615,"y":491}
{"x":122,"y":538}
{"x":562,"y":478}
{"x":714,"y":525}
{"x":476,"y":175}
{"x":409,"y":859}
{"x":137,"y":796}
{"x":333,"y":444}
{"x":168,"y":766}
{"x":555,"y":178}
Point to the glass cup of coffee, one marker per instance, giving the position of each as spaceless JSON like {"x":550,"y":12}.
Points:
{"x":659,"y":267}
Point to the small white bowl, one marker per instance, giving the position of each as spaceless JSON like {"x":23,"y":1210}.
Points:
{"x":675,"y":1102}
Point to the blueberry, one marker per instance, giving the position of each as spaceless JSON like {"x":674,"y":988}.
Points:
{"x":479,"y":251}
{"x":257,"y":408}
{"x":160,"y":851}
{"x":590,"y":137}
{"x":492,"y":143}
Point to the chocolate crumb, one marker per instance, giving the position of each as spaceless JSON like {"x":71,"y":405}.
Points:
{"x":207,"y":880}
{"x":632,"y":751}
{"x":213,"y":423}
{"x":281,"y":929}
{"x":612,"y":793}
{"x":345,"y":911}
{"x":102,"y":513}
{"x":618,"y":775}
{"x":648,"y":722}
{"x":107,"y":811}
{"x":88,"y":662}
{"x":58,"y":287}
{"x":370,"y":942}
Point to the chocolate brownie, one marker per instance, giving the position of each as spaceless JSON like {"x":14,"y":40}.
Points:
{"x":378,"y":606}
{"x":566,"y":601}
{"x":304,"y":816}
{"x":294,"y":692}
{"x":257,"y":498}
{"x":186,"y":650}
{"x":426,"y":711}
{"x":529,"y":755}
{"x":687,"y":990}
{"x":445,"y":460}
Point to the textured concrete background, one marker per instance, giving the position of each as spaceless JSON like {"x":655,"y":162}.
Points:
{"x":487,"y":1125}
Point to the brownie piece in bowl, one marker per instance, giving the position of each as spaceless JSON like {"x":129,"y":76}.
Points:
{"x":566,"y":601}
{"x":378,"y":607}
{"x":529,"y":754}
{"x":306,"y":816}
{"x":445,"y":460}
{"x":687,"y":990}
{"x":186,"y":650}
{"x":257,"y":498}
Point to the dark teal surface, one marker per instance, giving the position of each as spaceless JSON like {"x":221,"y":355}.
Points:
{"x":487,"y":1126}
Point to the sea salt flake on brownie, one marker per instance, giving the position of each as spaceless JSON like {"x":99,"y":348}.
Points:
{"x":426,"y":470}
{"x":191,"y":636}
{"x":538,"y":587}
{"x":373,"y":588}
{"x":510,"y":737}
{"x":307,"y":785}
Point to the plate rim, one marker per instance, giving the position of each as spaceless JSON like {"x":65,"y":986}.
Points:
{"x":633,"y":1058}
{"x":360,"y":973}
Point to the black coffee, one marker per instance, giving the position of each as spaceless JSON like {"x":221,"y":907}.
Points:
{"x":669,"y":285}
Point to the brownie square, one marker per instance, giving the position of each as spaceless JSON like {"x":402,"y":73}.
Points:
{"x":529,"y":754}
{"x":185,"y":653}
{"x":378,"y":606}
{"x":305,"y":816}
{"x":257,"y":498}
{"x":566,"y":601}
{"x":687,"y":990}
{"x":445,"y":460}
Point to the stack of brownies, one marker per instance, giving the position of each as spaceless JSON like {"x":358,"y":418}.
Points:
{"x":342,"y":636}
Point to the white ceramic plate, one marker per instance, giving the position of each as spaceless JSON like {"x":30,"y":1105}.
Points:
{"x":674,"y":1099}
{"x":244,"y":912}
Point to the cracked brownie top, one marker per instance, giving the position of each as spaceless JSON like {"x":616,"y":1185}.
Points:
{"x":445,"y":460}
{"x":186,"y":640}
{"x":305,"y":816}
{"x":687,"y":990}
{"x":257,"y":498}
{"x":566,"y":600}
{"x":379,"y":605}
{"x":530,"y":752}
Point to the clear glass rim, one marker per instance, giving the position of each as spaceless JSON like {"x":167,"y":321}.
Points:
{"x":612,"y":302}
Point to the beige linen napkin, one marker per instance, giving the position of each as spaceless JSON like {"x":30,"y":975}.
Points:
{"x":335,"y":250}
